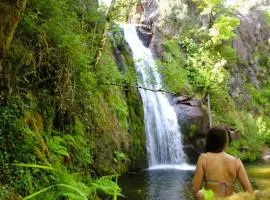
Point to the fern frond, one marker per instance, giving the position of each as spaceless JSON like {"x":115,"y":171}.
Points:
{"x":58,"y":145}
{"x":38,"y":193}
{"x":107,"y":186}
{"x":36,"y":166}
{"x":71,"y":188}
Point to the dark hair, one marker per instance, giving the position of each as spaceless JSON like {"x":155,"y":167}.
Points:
{"x":216,"y":140}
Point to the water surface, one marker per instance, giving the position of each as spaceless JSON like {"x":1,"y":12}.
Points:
{"x":175,"y":184}
{"x":159,"y":184}
{"x":259,"y":175}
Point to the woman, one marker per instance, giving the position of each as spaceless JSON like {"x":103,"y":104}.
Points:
{"x":217,"y":169}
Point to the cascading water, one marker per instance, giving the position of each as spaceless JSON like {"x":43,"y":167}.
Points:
{"x":164,"y":142}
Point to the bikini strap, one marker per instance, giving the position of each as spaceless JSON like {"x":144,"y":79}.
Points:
{"x":223,"y":186}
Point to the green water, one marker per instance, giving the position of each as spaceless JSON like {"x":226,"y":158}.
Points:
{"x":259,"y":175}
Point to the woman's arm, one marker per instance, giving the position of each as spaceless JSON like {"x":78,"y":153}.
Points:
{"x":243,"y":178}
{"x":198,"y":176}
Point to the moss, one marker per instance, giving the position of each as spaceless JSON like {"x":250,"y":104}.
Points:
{"x":261,"y":55}
{"x":10,"y":14}
{"x":34,"y":122}
{"x":137,"y":151}
{"x":137,"y":131}
{"x":109,"y":125}
{"x":53,"y":110}
{"x":266,"y":16}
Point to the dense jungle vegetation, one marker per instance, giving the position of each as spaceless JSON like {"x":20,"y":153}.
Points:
{"x":68,"y":127}
{"x":54,"y":105}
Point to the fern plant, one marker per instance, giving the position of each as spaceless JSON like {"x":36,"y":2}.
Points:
{"x":71,"y":187}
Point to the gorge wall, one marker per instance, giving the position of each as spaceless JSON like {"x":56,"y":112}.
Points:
{"x":160,"y":20}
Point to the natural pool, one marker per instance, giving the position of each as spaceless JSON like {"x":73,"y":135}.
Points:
{"x":175,"y":184}
{"x":161,"y":184}
{"x":259,"y":175}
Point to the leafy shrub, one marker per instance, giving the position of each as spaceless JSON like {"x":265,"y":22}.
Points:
{"x":50,"y":108}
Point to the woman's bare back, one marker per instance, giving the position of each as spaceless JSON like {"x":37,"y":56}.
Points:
{"x":219,"y":171}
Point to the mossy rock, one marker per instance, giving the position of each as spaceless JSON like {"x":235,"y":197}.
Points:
{"x":123,"y":55}
{"x":10,"y":14}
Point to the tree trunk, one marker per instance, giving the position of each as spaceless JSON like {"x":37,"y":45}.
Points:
{"x":11,"y":12}
{"x":104,"y":35}
{"x":209,"y":110}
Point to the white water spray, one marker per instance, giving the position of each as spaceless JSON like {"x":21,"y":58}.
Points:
{"x":164,"y":142}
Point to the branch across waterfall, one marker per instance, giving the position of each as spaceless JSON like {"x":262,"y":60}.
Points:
{"x":137,"y":86}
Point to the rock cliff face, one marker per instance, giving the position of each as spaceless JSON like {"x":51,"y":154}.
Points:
{"x":137,"y":151}
{"x":194,"y":124}
{"x":253,"y":34}
{"x":161,"y":17}
{"x":165,"y":18}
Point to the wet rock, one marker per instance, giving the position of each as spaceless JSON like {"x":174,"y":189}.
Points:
{"x":192,"y":153}
{"x":194,"y":124}
{"x":266,"y":156}
{"x":156,"y":46}
{"x":180,"y":99}
{"x":191,"y":110}
{"x":145,"y":34}
{"x":234,"y":134}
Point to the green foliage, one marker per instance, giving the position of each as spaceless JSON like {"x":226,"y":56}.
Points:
{"x":228,"y":52}
{"x":3,"y":192}
{"x":267,"y":17}
{"x":207,"y":6}
{"x":261,"y":56}
{"x":249,"y":147}
{"x":120,"y":156}
{"x":241,"y":150}
{"x":171,"y":67}
{"x":106,"y":185}
{"x":222,"y":29}
{"x":205,"y":67}
{"x":201,"y":56}
{"x":65,"y":185}
{"x":56,"y":146}
{"x":54,"y":106}
{"x":263,"y":131}
{"x":121,"y":10}
{"x":208,"y":194}
{"x":260,"y":98}
{"x":199,"y":62}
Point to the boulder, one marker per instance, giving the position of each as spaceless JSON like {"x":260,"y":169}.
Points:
{"x":194,"y":123}
{"x":266,"y":156}
{"x":145,"y":34}
{"x":234,"y":134}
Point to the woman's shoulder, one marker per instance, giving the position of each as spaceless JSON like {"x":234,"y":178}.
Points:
{"x":204,"y":156}
{"x":231,"y":157}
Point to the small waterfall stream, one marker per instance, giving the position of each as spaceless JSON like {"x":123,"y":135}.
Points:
{"x":164,"y":142}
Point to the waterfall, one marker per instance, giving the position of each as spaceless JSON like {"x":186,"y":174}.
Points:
{"x":163,"y":134}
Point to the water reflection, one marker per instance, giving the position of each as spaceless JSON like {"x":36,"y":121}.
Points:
{"x":157,"y":185}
